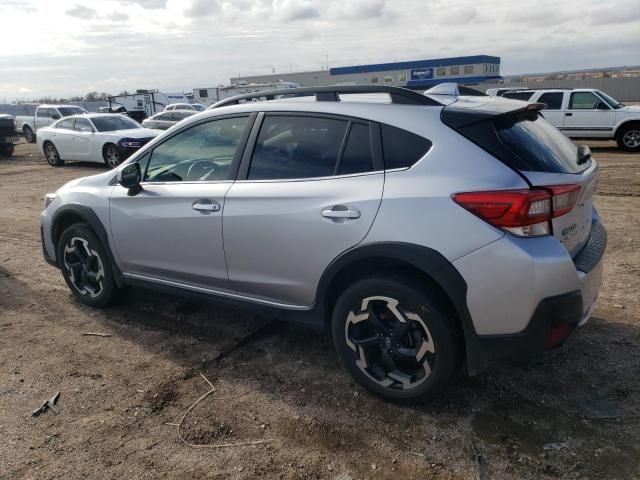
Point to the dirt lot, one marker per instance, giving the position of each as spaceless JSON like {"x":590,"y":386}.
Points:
{"x":119,"y":393}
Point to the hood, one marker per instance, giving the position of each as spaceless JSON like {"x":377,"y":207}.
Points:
{"x":135,"y":133}
{"x":635,"y":109}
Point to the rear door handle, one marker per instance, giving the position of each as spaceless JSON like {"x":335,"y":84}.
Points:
{"x":568,"y":114}
{"x":205,"y":206}
{"x":340,"y":211}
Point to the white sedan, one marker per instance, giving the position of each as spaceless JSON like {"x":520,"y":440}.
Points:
{"x":105,"y":138}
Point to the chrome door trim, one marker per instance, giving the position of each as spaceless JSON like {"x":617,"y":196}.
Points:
{"x":219,"y":293}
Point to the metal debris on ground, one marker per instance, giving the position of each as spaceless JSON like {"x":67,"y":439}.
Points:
{"x":96,"y":334}
{"x":556,"y":446}
{"x":49,"y":404}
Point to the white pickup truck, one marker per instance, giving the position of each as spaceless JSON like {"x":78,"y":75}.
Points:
{"x":586,"y":113}
{"x":44,"y":116}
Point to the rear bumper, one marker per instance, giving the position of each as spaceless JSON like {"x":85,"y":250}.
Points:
{"x":553,"y":317}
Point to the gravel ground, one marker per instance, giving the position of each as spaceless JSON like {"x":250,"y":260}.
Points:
{"x":575,"y":415}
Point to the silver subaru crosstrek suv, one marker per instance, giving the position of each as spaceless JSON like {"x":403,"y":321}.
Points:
{"x":426,"y":232}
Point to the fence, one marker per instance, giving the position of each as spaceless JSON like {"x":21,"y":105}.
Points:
{"x":622,"y":89}
{"x":30,"y":108}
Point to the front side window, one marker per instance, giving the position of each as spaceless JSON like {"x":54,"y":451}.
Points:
{"x":203,"y":152}
{"x":83,"y":125}
{"x":401,"y":149}
{"x":296,"y":147}
{"x":111,"y":123}
{"x":67,"y":124}
{"x":584,"y":101}
{"x":552,"y":100}
{"x":44,"y":113}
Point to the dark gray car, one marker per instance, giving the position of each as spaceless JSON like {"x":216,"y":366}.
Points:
{"x":165,"y":120}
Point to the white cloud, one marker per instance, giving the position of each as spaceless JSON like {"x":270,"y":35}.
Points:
{"x":115,"y":45}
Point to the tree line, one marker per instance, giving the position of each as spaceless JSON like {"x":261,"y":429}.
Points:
{"x":89,"y":97}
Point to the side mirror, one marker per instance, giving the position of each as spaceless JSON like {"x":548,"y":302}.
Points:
{"x":55,"y":116}
{"x":130,"y":177}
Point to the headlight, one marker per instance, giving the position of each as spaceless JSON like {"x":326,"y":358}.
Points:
{"x":130,"y":144}
{"x":48,"y":198}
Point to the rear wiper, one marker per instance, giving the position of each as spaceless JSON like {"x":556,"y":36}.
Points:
{"x":584,"y":154}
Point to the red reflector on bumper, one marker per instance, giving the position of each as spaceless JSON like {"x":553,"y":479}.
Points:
{"x":556,"y":336}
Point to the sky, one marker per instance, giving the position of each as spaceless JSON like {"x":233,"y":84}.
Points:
{"x":65,"y":47}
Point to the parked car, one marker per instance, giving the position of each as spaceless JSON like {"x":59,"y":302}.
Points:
{"x":7,"y":135}
{"x":425,"y":232}
{"x":587,"y":113}
{"x":45,"y":115}
{"x":98,"y":137}
{"x":164,"y":120}
{"x":497,"y":92}
{"x":196,"y":107}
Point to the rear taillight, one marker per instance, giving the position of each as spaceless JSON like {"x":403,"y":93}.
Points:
{"x":526,"y":212}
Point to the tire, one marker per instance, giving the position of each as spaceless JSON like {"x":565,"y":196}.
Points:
{"x":85,"y":266}
{"x":51,"y":154}
{"x":628,"y":137}
{"x":367,"y":321}
{"x":29,"y":136}
{"x":111,"y":155}
{"x":6,"y":150}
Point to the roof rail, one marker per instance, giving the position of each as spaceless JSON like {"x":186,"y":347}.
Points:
{"x":541,"y":88}
{"x":332,"y":94}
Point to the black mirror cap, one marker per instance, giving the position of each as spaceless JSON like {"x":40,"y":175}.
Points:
{"x":130,"y":177}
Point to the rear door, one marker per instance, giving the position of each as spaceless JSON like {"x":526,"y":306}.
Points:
{"x":82,"y":139}
{"x":308,"y":190}
{"x":62,"y":138}
{"x":588,"y":115}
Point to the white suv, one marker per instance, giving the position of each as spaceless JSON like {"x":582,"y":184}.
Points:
{"x":586,"y":113}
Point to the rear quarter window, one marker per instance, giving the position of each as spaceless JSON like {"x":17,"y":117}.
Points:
{"x":401,"y":149}
{"x":525,"y":96}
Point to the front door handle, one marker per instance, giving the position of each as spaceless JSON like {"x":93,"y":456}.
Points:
{"x":340,"y":211}
{"x":205,"y":206}
{"x":568,"y":114}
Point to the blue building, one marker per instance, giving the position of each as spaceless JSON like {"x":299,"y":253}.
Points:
{"x":417,"y":74}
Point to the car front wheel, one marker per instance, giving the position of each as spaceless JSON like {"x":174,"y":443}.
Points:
{"x":85,"y":266}
{"x":628,"y":137}
{"x":395,"y":339}
{"x":112,"y":156}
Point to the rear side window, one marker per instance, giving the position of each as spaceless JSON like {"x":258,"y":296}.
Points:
{"x":401,"y":149}
{"x":537,"y":145}
{"x":552,"y":100}
{"x":357,"y":156}
{"x":296,"y":147}
{"x":525,"y":96}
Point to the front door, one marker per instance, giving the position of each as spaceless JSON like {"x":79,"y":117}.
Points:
{"x":308,"y":192}
{"x":82,"y":140}
{"x":171,"y":231}
{"x":587,"y":115}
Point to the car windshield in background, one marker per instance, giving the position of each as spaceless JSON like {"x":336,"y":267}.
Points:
{"x":112,"y":123}
{"x":198,"y":107}
{"x":68,"y":111}
{"x":611,"y":101}
{"x":539,"y":146}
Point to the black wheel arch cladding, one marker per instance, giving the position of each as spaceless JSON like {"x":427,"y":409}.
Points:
{"x":433,"y":264}
{"x":88,"y":216}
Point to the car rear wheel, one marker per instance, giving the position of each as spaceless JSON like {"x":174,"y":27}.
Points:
{"x":111,"y":156}
{"x":85,"y":266}
{"x":628,"y":137}
{"x":29,"y":136}
{"x":395,"y":339}
{"x":6,"y":150}
{"x":52,"y":155}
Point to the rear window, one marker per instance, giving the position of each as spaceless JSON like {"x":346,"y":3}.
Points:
{"x":401,"y":149}
{"x":518,"y":95}
{"x":537,"y":145}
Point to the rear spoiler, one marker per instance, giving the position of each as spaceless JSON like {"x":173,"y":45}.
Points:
{"x":467,"y":111}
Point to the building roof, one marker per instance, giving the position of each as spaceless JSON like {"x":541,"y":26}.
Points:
{"x":438,"y":62}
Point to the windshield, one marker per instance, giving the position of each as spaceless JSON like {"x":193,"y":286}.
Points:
{"x":68,"y":111}
{"x":114,"y":122}
{"x":538,"y":145}
{"x":611,"y":101}
{"x":198,"y":107}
